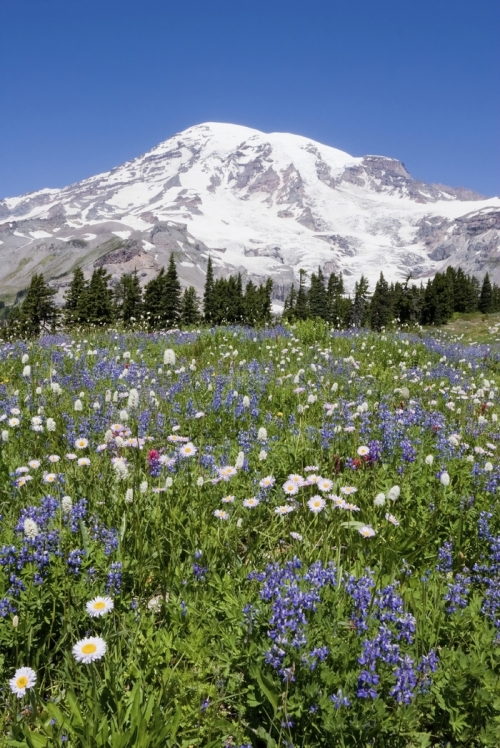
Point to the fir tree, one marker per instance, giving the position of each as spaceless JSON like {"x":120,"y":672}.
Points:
{"x":96,"y":302}
{"x":208,"y":294}
{"x":72,"y":306}
{"x":171,"y":303}
{"x":38,"y":312}
{"x":128,"y":299}
{"x":486,"y":297}
{"x":290,"y":304}
{"x":318,"y":298}
{"x":361,"y":303}
{"x":301,"y":303}
{"x":153,"y":300}
{"x":381,"y":305}
{"x":190,"y":307}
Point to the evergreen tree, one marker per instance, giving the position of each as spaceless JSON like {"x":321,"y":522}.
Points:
{"x":128,"y":299}
{"x":73,"y":298}
{"x":302,"y":301}
{"x":361,"y":303}
{"x":381,"y":305}
{"x":318,"y":297}
{"x":208,"y":295}
{"x":171,"y":302}
{"x":437,"y":305}
{"x":486,"y":298}
{"x":38,"y":312}
{"x":96,"y":302}
{"x":339,"y":307}
{"x":251,"y":304}
{"x":153,"y":300}
{"x":290,"y":304}
{"x":190,"y":307}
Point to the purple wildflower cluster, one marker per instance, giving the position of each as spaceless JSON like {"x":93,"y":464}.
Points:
{"x":292,"y":594}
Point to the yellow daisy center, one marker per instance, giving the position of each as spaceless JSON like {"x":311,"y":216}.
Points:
{"x":22,"y":682}
{"x":99,"y":605}
{"x":89,"y":648}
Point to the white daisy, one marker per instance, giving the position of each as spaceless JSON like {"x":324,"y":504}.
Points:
{"x":187,"y":450}
{"x":221,"y":514}
{"x":348,"y":490}
{"x":392,"y":519}
{"x":89,"y":649}
{"x":81,"y":443}
{"x":99,"y":606}
{"x":13,"y":422}
{"x":227,"y":472}
{"x":290,"y":488}
{"x":267,"y":482}
{"x":50,"y":478}
{"x":284,"y":509}
{"x":316,"y":504}
{"x":296,"y":535}
{"x":367,"y":531}
{"x":338,"y":501}
{"x":228,"y":500}
{"x":83,"y":461}
{"x":251,"y":503}
{"x":325,"y":485}
{"x":24,"y":678}
{"x":34,"y":464}
{"x":363,"y":451}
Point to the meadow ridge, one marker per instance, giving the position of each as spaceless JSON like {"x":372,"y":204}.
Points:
{"x":237,"y":538}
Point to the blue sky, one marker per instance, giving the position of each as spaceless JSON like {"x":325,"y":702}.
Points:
{"x":87,"y":85}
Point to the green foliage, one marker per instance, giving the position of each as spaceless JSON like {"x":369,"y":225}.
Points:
{"x":37,"y":312}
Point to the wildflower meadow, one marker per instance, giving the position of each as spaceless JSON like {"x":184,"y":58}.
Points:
{"x":249,"y":538}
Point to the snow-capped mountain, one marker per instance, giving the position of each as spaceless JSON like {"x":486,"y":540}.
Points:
{"x":263,"y":204}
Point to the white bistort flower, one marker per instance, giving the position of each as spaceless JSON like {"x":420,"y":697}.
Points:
{"x":169,"y":357}
{"x":445,"y":479}
{"x":133,"y":399}
{"x":50,"y":424}
{"x":379,"y":499}
{"x":129,"y":495}
{"x":99,"y":606}
{"x":262,"y":434}
{"x":143,"y":488}
{"x":25,"y":358}
{"x":78,"y":405}
{"x":429,"y":459}
{"x":394,"y":493}
{"x":30,"y":528}
{"x":262,"y":454}
{"x":89,"y":649}
{"x":66,"y":504}
{"x":27,"y":371}
{"x":24,"y":678}
{"x":240,"y":461}
{"x":246,"y":402}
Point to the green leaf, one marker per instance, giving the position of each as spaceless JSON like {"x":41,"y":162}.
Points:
{"x":74,"y":708}
{"x":267,"y":687}
{"x":85,"y":536}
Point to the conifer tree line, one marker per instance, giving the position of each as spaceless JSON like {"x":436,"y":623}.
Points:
{"x":162,"y":304}
{"x":432,"y":304}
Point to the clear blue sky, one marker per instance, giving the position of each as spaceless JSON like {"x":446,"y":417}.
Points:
{"x":88,"y":84}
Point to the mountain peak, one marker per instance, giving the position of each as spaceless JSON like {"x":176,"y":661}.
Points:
{"x":259,"y":203}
